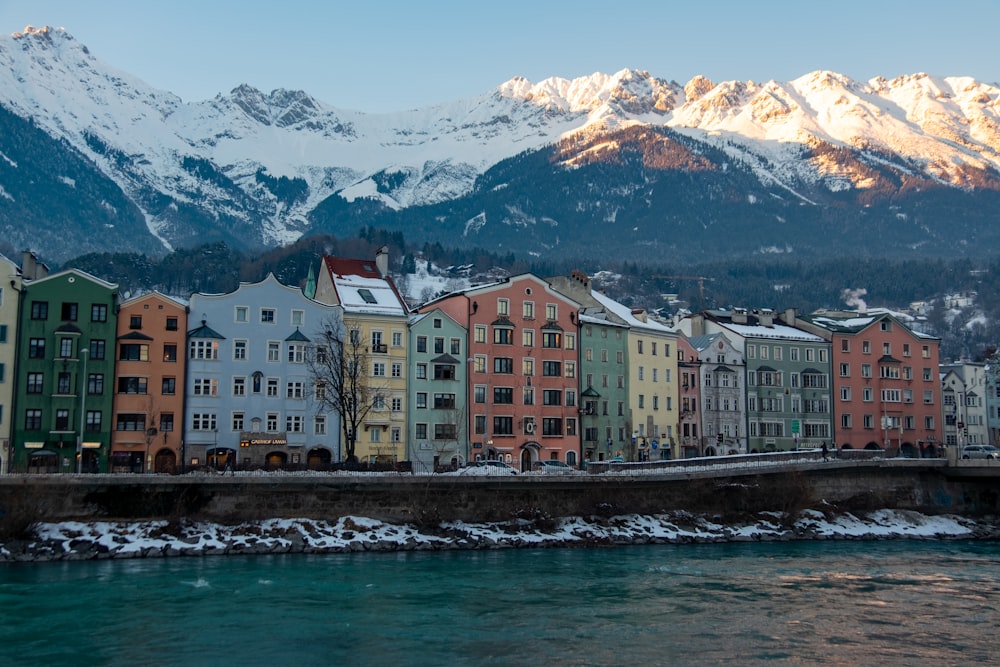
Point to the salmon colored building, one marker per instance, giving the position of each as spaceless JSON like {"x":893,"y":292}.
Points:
{"x":147,"y":429}
{"x":887,"y":392}
{"x":523,"y":402}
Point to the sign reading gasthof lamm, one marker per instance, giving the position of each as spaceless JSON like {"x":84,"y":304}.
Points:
{"x":266,"y":439}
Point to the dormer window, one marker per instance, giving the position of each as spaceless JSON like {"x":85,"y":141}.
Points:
{"x":367,"y":295}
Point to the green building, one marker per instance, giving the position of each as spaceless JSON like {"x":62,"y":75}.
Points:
{"x":65,"y":374}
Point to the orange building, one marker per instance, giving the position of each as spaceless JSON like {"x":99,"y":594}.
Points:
{"x":523,"y":401}
{"x":147,"y":433}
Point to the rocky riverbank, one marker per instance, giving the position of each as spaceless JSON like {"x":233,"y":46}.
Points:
{"x":71,"y":540}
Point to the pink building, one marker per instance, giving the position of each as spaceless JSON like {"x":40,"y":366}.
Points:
{"x":689,"y":427}
{"x":887,"y":393}
{"x":523,"y":402}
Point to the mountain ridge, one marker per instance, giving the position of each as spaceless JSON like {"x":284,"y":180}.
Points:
{"x":210,"y":169}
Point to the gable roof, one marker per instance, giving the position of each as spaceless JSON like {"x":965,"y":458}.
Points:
{"x":361,"y":288}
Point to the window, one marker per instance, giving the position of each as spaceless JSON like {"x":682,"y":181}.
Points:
{"x":501,"y":336}
{"x":135,"y":322}
{"x":845,"y":393}
{"x":397,"y":369}
{"x":273,"y":351}
{"x":295,"y":389}
{"x":503,"y":395}
{"x":69,"y":311}
{"x":528,"y":367}
{"x":503,"y":365}
{"x":421,"y":400}
{"x":39,"y":310}
{"x":551,"y":312}
{"x":136,"y":421}
{"x":551,"y":397}
{"x":866,"y":370}
{"x":166,"y":421}
{"x":925,"y":352}
{"x":528,"y":310}
{"x":444,"y":401}
{"x":97,"y":349}
{"x":928,"y":397}
{"x":201,"y":349}
{"x":551,"y":339}
{"x":296,"y":353}
{"x":444,"y":371}
{"x":552,"y":426}
{"x":319,"y":425}
{"x":503,"y":306}
{"x":397,"y":339}
{"x":480,"y":334}
{"x":36,"y":348}
{"x":98,"y":312}
{"x":421,"y":371}
{"x":171,"y":325}
{"x":33,"y":420}
{"x":272,"y":422}
{"x":240,"y":350}
{"x":170,"y":352}
{"x":552,"y":368}
{"x":845,"y":370}
{"x":62,"y":420}
{"x":169,"y":386}
{"x":294,"y":423}
{"x":378,"y":369}
{"x":479,"y":394}
{"x":272,"y":387}
{"x":267,"y":315}
{"x":444,"y":431}
{"x":206,"y":387}
{"x":132,"y":385}
{"x":866,"y":347}
{"x":35,"y":383}
{"x":886,"y":325}
{"x":239,"y":386}
{"x":140,"y":352}
{"x":95,"y":421}
{"x":927,"y":375}
{"x":421,"y":343}
{"x":503,"y":426}
{"x":528,"y":338}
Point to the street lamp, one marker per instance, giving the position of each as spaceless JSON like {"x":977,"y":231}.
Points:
{"x":83,"y":406}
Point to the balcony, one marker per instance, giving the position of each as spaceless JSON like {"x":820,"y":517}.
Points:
{"x":380,"y":348}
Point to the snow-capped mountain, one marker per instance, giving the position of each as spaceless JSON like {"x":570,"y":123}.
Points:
{"x":92,"y":158}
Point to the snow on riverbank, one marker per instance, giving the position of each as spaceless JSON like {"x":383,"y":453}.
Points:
{"x":72,"y":540}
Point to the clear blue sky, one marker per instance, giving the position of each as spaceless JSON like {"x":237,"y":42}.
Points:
{"x":386,"y":55}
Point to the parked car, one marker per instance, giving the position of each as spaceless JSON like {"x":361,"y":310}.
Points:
{"x":552,"y":467}
{"x":980,"y":452}
{"x":488,"y":467}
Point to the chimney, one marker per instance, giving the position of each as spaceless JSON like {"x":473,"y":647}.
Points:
{"x":739,"y":316}
{"x":697,"y":325}
{"x":31,"y":269}
{"x":382,"y":261}
{"x":789,"y":317}
{"x":766,"y":317}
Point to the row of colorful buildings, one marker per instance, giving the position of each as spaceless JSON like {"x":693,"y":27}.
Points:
{"x":521,"y":369}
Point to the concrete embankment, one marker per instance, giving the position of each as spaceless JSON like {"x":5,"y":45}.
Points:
{"x":425,"y":500}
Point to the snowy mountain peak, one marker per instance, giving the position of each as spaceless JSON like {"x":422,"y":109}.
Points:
{"x":259,"y":168}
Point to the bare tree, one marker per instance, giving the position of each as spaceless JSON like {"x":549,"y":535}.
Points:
{"x":339,"y":368}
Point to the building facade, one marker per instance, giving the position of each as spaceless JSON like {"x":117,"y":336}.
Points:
{"x":149,"y":385}
{"x":964,"y":406}
{"x":375,"y":314}
{"x":689,"y":432}
{"x":250,"y":396}
{"x":523,"y":381}
{"x":886,"y":386}
{"x":439,"y":435}
{"x":65,"y":374}
{"x":723,"y":395}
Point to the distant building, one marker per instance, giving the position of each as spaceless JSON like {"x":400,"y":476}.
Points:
{"x":964,"y":403}
{"x":722,"y":395}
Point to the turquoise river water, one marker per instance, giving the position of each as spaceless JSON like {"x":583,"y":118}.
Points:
{"x":804,"y":603}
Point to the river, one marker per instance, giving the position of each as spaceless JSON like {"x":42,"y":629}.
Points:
{"x":900,"y":602}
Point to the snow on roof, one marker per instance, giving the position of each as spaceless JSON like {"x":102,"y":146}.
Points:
{"x":776,"y":331}
{"x":625,"y":313}
{"x":360,"y":294}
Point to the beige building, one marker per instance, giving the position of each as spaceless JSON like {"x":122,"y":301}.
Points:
{"x":375,"y":312}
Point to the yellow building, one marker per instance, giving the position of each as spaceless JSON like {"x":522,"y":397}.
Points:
{"x":375,"y":313}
